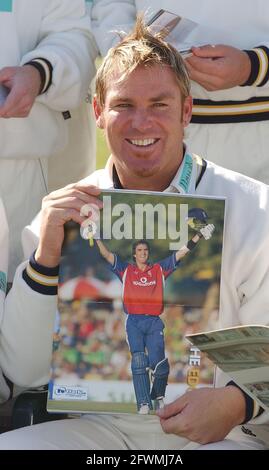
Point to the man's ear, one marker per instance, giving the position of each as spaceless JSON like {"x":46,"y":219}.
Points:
{"x":98,"y":114}
{"x":187,"y":111}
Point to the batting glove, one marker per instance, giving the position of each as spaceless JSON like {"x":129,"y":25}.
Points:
{"x":207,"y":231}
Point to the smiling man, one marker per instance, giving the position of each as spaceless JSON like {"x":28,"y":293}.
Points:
{"x":143,"y":105}
{"x":144,"y":119}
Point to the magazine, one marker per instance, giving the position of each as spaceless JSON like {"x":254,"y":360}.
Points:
{"x":242,"y":352}
{"x":174,"y":29}
{"x":134,"y":279}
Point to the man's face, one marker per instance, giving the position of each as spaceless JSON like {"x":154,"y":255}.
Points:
{"x":141,"y":254}
{"x":144,"y":119}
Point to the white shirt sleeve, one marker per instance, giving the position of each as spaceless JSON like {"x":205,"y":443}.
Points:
{"x":67,"y":43}
{"x":27,"y":324}
{"x":3,"y":257}
{"x":108,"y":17}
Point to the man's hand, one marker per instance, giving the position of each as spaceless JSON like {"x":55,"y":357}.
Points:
{"x":204,"y":415}
{"x":24,"y":84}
{"x":58,"y":208}
{"x":207,"y":231}
{"x":218,"y":67}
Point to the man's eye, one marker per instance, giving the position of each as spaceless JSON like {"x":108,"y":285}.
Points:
{"x":160,"y":105}
{"x":122,"y":105}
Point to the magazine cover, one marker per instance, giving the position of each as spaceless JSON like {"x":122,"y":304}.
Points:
{"x":135,"y":278}
{"x":242,"y":352}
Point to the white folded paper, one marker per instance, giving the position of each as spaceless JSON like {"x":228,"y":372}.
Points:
{"x":174,"y":29}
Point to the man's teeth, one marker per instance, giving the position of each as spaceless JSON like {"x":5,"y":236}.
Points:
{"x":144,"y":142}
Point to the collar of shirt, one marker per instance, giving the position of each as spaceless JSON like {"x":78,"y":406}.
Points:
{"x":183,"y":182}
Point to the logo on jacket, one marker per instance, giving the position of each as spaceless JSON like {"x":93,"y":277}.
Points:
{"x":3,"y":281}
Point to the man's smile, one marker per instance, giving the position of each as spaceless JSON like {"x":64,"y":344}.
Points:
{"x":142,"y":142}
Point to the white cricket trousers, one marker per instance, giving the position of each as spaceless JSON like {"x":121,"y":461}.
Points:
{"x":106,"y":432}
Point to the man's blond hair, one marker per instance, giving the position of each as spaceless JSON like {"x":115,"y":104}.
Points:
{"x":140,"y":48}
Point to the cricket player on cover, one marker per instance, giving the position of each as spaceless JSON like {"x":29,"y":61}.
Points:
{"x":143,"y":302}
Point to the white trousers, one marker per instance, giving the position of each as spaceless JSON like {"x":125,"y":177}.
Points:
{"x":106,"y":432}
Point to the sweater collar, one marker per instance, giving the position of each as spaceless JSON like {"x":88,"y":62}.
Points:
{"x":183,"y":182}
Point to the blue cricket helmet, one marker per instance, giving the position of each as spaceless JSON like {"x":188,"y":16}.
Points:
{"x":197,"y":213}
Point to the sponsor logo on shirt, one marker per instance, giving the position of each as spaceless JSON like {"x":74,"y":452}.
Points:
{"x":143,"y":282}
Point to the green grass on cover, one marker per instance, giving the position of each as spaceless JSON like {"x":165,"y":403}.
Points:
{"x":88,"y":406}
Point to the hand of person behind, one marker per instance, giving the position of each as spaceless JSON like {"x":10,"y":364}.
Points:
{"x":204,"y":415}
{"x":60,"y":207}
{"x":218,"y":67}
{"x":23,"y":84}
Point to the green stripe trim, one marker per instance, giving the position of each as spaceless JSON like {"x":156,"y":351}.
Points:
{"x":3,"y":281}
{"x":6,"y":5}
{"x":185,"y":176}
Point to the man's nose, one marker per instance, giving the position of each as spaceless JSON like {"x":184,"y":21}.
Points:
{"x":142,"y":119}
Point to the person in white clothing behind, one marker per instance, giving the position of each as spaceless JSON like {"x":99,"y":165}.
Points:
{"x":46,"y":64}
{"x":4,"y":389}
{"x":143,"y":105}
{"x":78,"y":158}
{"x":229,"y":73}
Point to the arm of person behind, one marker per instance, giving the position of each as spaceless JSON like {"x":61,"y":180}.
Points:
{"x":24,"y":85}
{"x":220,"y":67}
{"x":107,"y":17}
{"x":30,"y":307}
{"x":66,"y":42}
